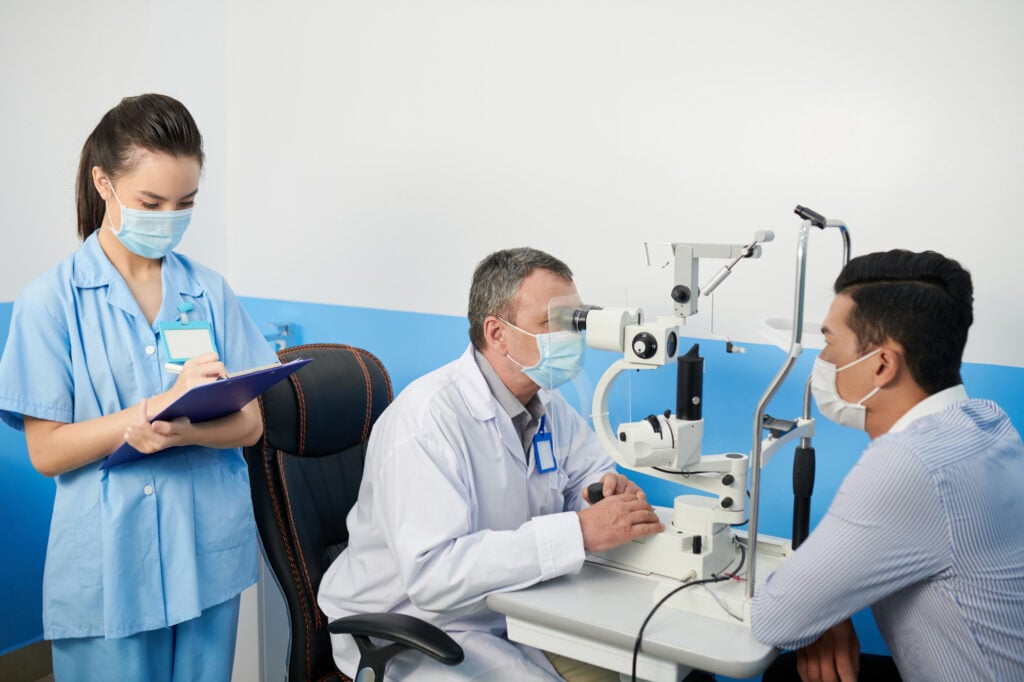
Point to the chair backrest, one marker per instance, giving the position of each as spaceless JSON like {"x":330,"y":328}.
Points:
{"x":305,"y":473}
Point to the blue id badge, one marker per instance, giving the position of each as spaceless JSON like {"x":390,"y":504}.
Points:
{"x":543,"y":449}
{"x":185,"y":339}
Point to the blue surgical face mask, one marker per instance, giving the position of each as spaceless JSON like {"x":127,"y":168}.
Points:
{"x":561,"y":357}
{"x":150,"y":234}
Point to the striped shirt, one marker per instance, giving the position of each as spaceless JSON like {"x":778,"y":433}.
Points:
{"x":928,"y":530}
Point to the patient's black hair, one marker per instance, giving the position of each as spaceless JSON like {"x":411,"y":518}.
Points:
{"x":922,"y":301}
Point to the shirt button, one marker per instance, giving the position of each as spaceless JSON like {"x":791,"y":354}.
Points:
{"x":148,"y":490}
{"x":150,"y":350}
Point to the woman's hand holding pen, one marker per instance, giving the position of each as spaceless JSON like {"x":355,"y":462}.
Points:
{"x":202,"y":369}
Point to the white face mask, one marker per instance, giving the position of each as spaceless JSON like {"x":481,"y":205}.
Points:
{"x":826,"y":395}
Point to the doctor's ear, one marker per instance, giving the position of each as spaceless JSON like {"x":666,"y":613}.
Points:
{"x":494,"y":333}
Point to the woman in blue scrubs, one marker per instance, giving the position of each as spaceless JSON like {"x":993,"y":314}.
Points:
{"x":146,"y":560}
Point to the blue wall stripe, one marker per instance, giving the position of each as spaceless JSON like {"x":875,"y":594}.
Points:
{"x":411,"y":344}
{"x":25,"y":522}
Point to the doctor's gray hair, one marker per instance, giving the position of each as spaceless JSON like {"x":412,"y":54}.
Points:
{"x":496,"y":282}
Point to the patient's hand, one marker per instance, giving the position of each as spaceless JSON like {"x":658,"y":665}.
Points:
{"x":834,"y":657}
{"x":617,"y":519}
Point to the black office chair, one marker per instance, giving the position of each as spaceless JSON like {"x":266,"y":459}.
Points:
{"x":305,"y":474}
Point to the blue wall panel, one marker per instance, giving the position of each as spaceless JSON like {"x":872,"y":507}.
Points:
{"x":411,"y":344}
{"x":25,"y":524}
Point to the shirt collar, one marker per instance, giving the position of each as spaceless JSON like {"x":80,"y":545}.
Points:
{"x":93,"y":269}
{"x":508,"y":401}
{"x":936,"y":402}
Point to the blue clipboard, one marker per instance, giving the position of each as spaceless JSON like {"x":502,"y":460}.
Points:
{"x":212,"y":401}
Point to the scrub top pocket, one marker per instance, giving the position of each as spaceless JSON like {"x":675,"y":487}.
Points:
{"x":223,"y":506}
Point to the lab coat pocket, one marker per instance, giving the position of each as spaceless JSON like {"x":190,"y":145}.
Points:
{"x":223,"y":506}
{"x":556,"y":501}
{"x":557,"y":480}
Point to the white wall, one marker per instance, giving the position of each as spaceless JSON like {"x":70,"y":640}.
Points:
{"x":370,"y":153}
{"x":378,"y":150}
{"x":63,"y":64}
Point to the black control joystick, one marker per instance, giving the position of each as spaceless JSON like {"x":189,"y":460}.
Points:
{"x":595,"y":492}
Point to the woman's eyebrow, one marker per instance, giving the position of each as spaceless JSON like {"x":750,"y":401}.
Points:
{"x":157,"y":197}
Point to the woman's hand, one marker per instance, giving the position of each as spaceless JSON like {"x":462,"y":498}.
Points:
{"x":147,"y":437}
{"x":202,"y":369}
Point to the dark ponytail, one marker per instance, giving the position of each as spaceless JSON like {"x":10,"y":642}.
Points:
{"x":157,"y":123}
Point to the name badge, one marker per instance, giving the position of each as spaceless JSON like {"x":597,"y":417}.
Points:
{"x":543,"y":449}
{"x":185,"y":339}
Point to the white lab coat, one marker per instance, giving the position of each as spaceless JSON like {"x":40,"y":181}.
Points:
{"x":450,"y":510}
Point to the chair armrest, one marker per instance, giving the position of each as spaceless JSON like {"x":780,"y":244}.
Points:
{"x":407,"y":632}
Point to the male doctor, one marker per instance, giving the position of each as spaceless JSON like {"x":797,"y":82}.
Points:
{"x":928,"y":527}
{"x":474,"y":483}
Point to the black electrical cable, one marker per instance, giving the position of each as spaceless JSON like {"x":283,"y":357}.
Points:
{"x":712,"y":579}
{"x":640,"y":634}
{"x":684,"y":474}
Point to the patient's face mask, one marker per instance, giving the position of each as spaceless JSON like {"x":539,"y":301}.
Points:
{"x":150,"y":234}
{"x":561,"y":357}
{"x":826,"y":395}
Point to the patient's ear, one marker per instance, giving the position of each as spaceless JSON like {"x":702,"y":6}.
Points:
{"x":892,"y":364}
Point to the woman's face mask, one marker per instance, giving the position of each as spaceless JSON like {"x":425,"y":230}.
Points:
{"x":561,"y":357}
{"x":150,"y":234}
{"x":826,"y":395}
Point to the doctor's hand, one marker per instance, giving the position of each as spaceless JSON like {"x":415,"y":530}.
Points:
{"x":153,"y":437}
{"x":835,"y":657}
{"x":614,"y":484}
{"x":616,"y":520}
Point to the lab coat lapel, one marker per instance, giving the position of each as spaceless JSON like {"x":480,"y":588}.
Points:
{"x":509,"y":437}
{"x":485,"y":407}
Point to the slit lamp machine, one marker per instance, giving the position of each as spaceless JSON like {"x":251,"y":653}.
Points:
{"x":699,"y":541}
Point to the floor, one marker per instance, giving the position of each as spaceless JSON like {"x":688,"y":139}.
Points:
{"x":28,"y":664}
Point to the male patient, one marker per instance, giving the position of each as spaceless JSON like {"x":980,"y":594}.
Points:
{"x":461,"y":497}
{"x":928,"y":527}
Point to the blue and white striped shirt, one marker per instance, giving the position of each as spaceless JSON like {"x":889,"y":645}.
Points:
{"x":928,"y":530}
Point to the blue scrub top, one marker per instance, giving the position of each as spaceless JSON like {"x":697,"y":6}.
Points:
{"x":155,"y":542}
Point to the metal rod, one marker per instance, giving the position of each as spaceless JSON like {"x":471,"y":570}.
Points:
{"x":794,"y":353}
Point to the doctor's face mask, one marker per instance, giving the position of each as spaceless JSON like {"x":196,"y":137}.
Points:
{"x":561,"y":357}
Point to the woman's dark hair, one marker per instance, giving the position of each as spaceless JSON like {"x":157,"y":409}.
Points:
{"x":922,"y":301}
{"x":157,"y":123}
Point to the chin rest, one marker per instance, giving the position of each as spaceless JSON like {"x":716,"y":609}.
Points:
{"x":304,"y":474}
